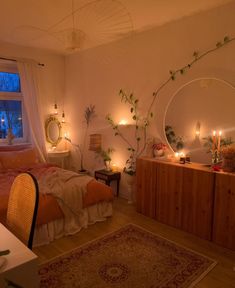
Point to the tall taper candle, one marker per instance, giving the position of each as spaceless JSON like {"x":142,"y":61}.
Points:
{"x":220,"y":133}
{"x":214,"y":141}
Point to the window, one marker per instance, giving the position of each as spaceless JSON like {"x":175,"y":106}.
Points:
{"x":11,"y":104}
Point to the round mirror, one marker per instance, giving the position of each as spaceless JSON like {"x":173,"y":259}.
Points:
{"x":199,"y":109}
{"x":53,"y":130}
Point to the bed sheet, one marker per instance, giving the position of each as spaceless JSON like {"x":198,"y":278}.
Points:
{"x":63,"y":193}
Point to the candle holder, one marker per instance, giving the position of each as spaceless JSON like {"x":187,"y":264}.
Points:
{"x":215,"y":157}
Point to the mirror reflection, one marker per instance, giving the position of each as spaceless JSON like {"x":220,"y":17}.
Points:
{"x":199,"y":109}
{"x":53,"y":130}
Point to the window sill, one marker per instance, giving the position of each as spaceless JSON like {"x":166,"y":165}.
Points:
{"x":14,"y":147}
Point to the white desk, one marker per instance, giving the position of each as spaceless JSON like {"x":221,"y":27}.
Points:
{"x":21,"y":265}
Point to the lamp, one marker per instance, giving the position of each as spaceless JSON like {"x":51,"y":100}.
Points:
{"x":197,"y":130}
{"x":55,"y":109}
{"x":63,"y":117}
{"x":95,"y":142}
{"x":88,"y":25}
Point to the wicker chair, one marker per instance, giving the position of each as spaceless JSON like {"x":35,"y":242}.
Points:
{"x":22,"y":207}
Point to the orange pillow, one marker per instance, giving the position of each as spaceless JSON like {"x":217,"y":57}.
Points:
{"x":17,"y":159}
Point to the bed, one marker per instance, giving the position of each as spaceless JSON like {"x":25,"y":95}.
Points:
{"x":68,"y":201}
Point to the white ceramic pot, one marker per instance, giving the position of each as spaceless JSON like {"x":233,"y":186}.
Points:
{"x":158,"y":153}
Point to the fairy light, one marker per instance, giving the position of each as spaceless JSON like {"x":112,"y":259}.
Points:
{"x":63,"y":117}
{"x":55,"y":109}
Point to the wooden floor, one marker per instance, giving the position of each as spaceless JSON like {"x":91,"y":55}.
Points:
{"x":222,"y":276}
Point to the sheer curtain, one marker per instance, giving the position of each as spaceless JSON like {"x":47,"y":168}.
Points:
{"x":30,"y":90}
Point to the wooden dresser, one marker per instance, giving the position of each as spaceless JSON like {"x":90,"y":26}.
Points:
{"x":188,"y":196}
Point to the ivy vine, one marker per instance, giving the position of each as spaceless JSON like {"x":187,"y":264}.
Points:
{"x":141,"y":123}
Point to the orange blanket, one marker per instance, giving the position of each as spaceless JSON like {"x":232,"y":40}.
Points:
{"x":49,"y":209}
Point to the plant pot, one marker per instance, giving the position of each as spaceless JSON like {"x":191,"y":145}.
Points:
{"x":158,"y":153}
{"x":107,"y":166}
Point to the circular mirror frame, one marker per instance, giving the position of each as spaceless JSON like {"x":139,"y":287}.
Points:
{"x":53,"y":119}
{"x":180,"y":88}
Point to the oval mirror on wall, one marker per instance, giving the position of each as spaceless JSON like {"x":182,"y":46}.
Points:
{"x":53,"y":130}
{"x":195,"y":111}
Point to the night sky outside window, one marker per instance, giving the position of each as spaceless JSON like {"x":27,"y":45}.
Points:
{"x":11,"y":117}
{"x":9,"y":82}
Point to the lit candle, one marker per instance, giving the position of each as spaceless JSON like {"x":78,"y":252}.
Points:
{"x":214,"y":141}
{"x":220,"y":133}
{"x":122,"y":122}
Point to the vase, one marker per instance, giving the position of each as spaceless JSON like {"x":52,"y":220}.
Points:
{"x":107,"y":166}
{"x":158,"y":153}
{"x":10,"y":136}
{"x":130,"y":180}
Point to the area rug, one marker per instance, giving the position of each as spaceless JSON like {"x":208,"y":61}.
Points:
{"x":130,"y":257}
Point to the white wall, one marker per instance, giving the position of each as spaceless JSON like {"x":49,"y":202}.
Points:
{"x":141,"y":64}
{"x":51,"y":76}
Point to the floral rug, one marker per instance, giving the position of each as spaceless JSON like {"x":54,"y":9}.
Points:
{"x":129,"y":257}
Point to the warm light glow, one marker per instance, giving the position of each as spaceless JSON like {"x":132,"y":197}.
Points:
{"x":122,"y":122}
{"x":114,"y":167}
{"x":220,"y":133}
{"x":66,"y":135}
{"x":197,"y":129}
{"x":214,"y":133}
{"x":177,"y":154}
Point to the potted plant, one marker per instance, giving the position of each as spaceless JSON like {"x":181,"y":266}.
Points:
{"x":89,"y":114}
{"x":140,"y":132}
{"x":106,"y":156}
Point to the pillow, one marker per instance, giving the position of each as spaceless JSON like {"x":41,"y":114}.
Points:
{"x":17,"y":159}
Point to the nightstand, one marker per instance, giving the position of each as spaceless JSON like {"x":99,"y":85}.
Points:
{"x":108,"y":177}
{"x":58,"y":157}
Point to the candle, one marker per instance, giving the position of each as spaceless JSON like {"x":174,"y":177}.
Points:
{"x":220,"y":133}
{"x":214,"y":141}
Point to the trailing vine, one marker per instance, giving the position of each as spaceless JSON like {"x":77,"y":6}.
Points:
{"x":142,"y":124}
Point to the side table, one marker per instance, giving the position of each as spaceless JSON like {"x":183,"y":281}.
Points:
{"x":58,"y":157}
{"x":108,"y":177}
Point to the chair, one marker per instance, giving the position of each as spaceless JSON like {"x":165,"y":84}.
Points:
{"x":22,"y":207}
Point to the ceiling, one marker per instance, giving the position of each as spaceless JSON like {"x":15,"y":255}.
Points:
{"x":65,"y":26}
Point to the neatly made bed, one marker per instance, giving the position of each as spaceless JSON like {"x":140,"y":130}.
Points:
{"x":68,"y":201}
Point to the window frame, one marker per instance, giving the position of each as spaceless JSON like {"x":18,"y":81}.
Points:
{"x":12,"y":68}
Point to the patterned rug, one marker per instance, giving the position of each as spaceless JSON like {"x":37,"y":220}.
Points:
{"x":130,"y":257}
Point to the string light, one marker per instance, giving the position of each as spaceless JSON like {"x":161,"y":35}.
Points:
{"x":56,"y":109}
{"x":63,"y":117}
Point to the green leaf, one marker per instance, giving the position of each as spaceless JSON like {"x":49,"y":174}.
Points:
{"x":226,"y":39}
{"x":218,"y":44}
